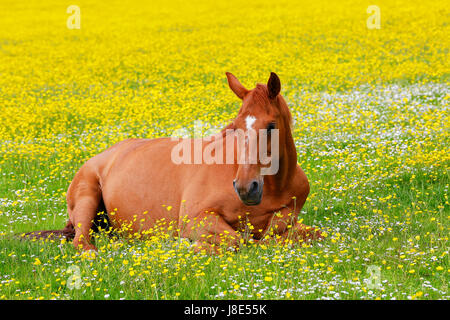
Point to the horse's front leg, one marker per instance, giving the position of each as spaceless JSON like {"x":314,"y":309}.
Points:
{"x":285,"y":226}
{"x":209,"y":231}
{"x":299,"y":232}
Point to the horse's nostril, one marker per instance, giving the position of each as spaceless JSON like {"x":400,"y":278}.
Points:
{"x":253,"y":187}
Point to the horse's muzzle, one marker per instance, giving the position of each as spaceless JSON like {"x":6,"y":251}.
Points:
{"x":251,"y":194}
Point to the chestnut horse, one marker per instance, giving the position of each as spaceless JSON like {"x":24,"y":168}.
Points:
{"x":133,"y":179}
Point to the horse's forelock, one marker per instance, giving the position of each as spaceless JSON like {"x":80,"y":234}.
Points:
{"x":260,"y":95}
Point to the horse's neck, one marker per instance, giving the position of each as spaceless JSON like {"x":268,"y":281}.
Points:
{"x":288,"y":164}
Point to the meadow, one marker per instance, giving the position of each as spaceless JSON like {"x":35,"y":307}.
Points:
{"x":371,"y":126}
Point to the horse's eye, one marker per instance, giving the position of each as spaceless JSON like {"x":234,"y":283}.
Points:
{"x":271,"y":126}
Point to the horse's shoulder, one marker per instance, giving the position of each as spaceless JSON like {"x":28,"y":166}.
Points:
{"x":300,"y":184}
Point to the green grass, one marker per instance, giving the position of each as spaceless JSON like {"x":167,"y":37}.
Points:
{"x":380,"y":207}
{"x":337,"y":265}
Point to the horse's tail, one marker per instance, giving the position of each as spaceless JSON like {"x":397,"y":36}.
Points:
{"x":68,"y":232}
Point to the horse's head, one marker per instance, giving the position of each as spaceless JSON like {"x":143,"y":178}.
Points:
{"x":262,"y":123}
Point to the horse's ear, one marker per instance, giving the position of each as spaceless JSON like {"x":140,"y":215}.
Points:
{"x":236,"y":86}
{"x":273,"y":85}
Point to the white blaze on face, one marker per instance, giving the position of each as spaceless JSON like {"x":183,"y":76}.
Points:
{"x":248,"y":154}
{"x":249,"y":121}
